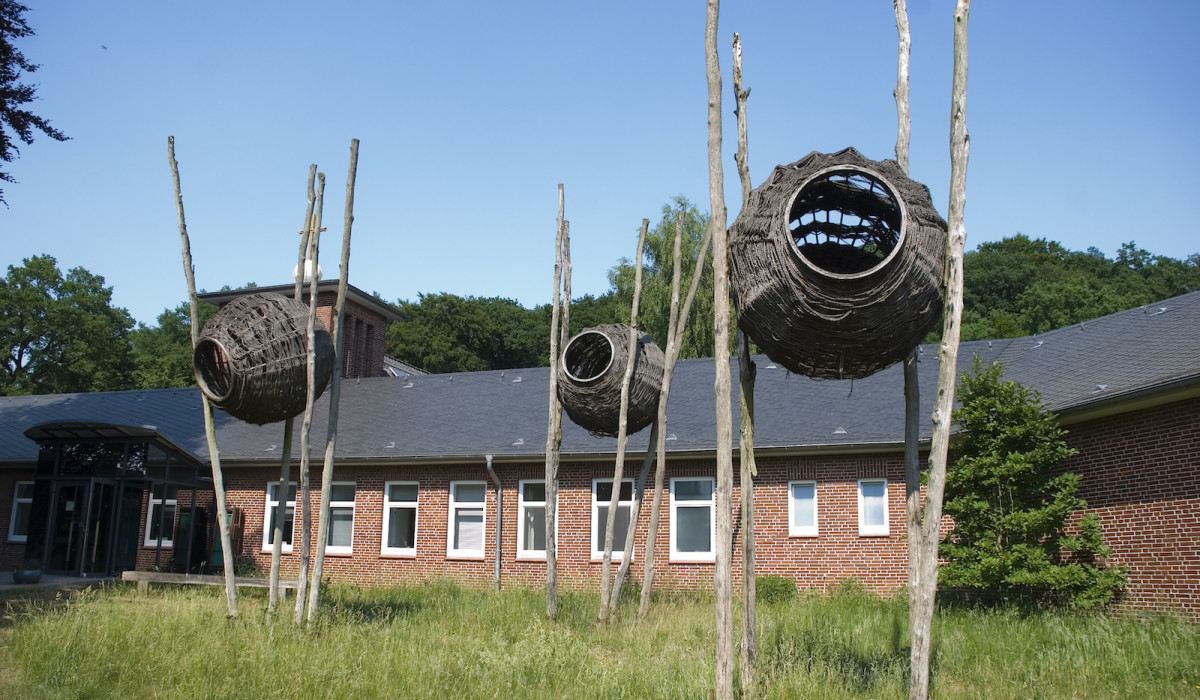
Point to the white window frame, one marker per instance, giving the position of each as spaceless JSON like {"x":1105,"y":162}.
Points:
{"x":271,"y":504}
{"x":711,"y":504}
{"x":151,"y":517}
{"x":342,"y":505}
{"x":18,"y":501}
{"x":865,"y":530}
{"x":455,"y":506}
{"x":390,"y":505}
{"x":795,"y":530}
{"x":532,"y":554}
{"x":618,"y":546}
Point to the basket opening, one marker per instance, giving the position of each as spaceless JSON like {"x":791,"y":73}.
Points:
{"x":213,"y":373}
{"x":846,"y":221}
{"x":588,"y":356}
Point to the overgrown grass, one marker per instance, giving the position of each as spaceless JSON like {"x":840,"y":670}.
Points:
{"x":440,"y":640}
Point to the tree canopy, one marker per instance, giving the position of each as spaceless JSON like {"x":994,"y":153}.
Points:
{"x":15,"y":94}
{"x":449,"y":333}
{"x":655,"y":305}
{"x":162,"y":354}
{"x":1022,"y":286}
{"x":61,"y":332}
{"x":1010,"y":502}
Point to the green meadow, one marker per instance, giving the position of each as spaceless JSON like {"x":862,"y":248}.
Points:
{"x":440,"y":640}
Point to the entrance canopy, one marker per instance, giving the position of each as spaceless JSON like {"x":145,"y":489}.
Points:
{"x":103,"y":492}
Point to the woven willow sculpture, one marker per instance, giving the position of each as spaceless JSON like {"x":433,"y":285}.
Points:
{"x":837,"y":263}
{"x":593,"y":364}
{"x":251,"y":358}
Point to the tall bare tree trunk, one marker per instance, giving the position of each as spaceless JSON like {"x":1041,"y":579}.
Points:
{"x":675,"y":328}
{"x":746,"y":376}
{"x":210,"y":428}
{"x":723,"y":572}
{"x":554,"y":429}
{"x":622,"y":435}
{"x":901,"y":93}
{"x":947,"y":360}
{"x":285,"y":473}
{"x":635,"y":510}
{"x":285,"y":461}
{"x":335,"y":388}
{"x":314,"y":246}
{"x":912,"y":389}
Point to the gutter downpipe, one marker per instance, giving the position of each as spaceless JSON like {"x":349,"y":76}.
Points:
{"x":499,"y":516}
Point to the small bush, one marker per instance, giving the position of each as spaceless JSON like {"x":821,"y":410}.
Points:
{"x":774,"y":589}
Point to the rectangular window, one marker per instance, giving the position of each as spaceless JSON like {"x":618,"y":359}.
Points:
{"x":802,"y":509}
{"x":289,"y":515}
{"x":18,"y":524}
{"x":400,"y":518}
{"x":340,"y":535}
{"x":531,"y":510}
{"x":872,"y":507}
{"x":161,"y":514}
{"x":692,"y":522}
{"x":467,"y":519}
{"x":601,"y":498}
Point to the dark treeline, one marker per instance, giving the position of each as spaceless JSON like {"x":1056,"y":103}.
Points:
{"x":64,"y":335}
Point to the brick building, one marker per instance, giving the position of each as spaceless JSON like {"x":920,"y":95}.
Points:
{"x":427,"y":466}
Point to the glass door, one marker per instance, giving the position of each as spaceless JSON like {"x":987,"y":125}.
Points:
{"x":83,"y":530}
{"x":66,"y":528}
{"x":100,"y":528}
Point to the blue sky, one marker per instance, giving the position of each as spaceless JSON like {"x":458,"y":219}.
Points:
{"x":1082,"y":118}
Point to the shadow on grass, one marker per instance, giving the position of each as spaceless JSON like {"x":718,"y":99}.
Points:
{"x":812,"y":651}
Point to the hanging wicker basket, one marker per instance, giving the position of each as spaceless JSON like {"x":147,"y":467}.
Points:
{"x":593,"y":365}
{"x":251,"y":358}
{"x":837,"y":263}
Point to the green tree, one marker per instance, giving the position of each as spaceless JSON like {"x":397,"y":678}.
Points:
{"x":1010,"y":502}
{"x":62,"y":333}
{"x":13,"y":93}
{"x":1021,"y":286}
{"x":449,"y":333}
{"x":162,"y":354}
{"x":655,"y":306}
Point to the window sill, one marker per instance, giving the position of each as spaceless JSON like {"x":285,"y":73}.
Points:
{"x":154,"y":545}
{"x":532,"y":557}
{"x":19,"y":539}
{"x":398,"y":555}
{"x":804,"y":535}
{"x":465,"y":557}
{"x":692,"y":560}
{"x":339,"y":553}
{"x":267,"y":550}
{"x":615,"y":559}
{"x":874,"y":534}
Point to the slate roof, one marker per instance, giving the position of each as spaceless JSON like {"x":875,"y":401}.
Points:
{"x":467,"y":415}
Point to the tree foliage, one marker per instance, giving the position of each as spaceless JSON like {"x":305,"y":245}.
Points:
{"x":162,"y":354}
{"x":13,"y":93}
{"x":1022,"y":286}
{"x":1010,"y":502}
{"x":61,"y":332}
{"x":655,"y":305}
{"x":449,"y":333}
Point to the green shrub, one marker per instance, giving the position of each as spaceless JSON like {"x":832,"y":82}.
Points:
{"x":1010,"y":502}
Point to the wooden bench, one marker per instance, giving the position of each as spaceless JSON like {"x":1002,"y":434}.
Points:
{"x":145,"y":578}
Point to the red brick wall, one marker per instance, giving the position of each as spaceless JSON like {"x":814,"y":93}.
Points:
{"x":365,"y":336}
{"x":838,"y":552}
{"x":12,"y":554}
{"x":1141,"y":476}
